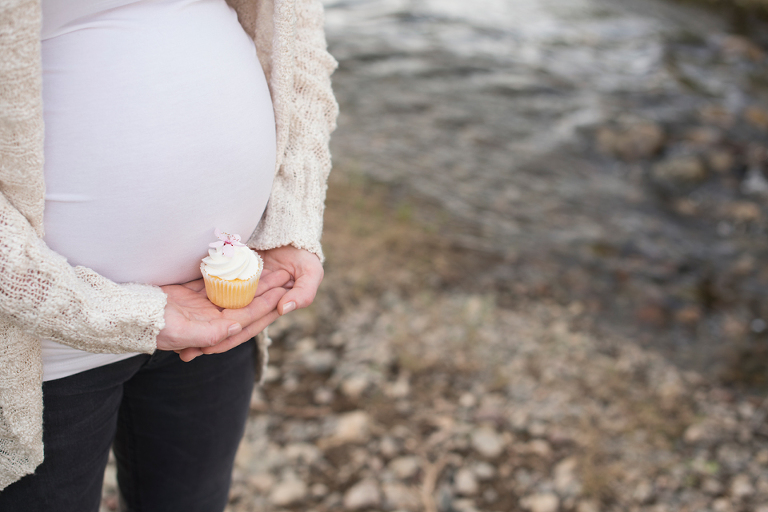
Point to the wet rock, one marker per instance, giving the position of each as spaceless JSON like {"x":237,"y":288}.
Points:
{"x":757,"y":116}
{"x":363,"y":494}
{"x":465,"y":482}
{"x":288,"y":492}
{"x":720,"y":161}
{"x":755,"y":183}
{"x":679,"y":172}
{"x":545,"y":502}
{"x":404,"y":467}
{"x":631,"y":142}
{"x":487,"y":442}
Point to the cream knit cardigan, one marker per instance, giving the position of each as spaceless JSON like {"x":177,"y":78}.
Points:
{"x":42,"y":296}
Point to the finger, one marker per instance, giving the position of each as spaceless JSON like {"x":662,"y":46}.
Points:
{"x":272,"y":280}
{"x":246,"y":334}
{"x":207,"y":334}
{"x":188,"y":354}
{"x":303,"y":291}
{"x":196,"y":285}
{"x":260,"y":306}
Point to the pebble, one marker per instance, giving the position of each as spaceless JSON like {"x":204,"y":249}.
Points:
{"x":319,"y":361}
{"x":355,"y":385}
{"x":467,"y":400}
{"x":484,"y":471}
{"x":487,"y":442}
{"x":566,"y":483}
{"x":400,"y":496}
{"x":587,"y":506}
{"x":319,"y":490}
{"x":261,"y":482}
{"x":388,"y":447}
{"x":545,"y":502}
{"x":676,"y":171}
{"x":465,"y":482}
{"x":363,"y":494}
{"x":741,"y":486}
{"x":305,"y":453}
{"x":643,"y":492}
{"x":323,"y":396}
{"x":352,"y":427}
{"x":288,"y":492}
{"x":404,"y":467}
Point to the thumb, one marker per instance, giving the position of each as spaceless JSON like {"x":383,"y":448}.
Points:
{"x":300,"y":296}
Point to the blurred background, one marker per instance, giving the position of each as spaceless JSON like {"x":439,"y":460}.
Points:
{"x":546,"y":285}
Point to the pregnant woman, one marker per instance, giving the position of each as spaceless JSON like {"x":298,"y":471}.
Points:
{"x":157,"y":122}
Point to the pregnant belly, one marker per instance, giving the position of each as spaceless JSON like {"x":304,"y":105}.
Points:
{"x":158,"y":128}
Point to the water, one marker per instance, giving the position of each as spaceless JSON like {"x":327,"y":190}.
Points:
{"x":490,"y":115}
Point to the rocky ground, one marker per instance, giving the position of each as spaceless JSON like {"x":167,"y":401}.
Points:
{"x":546,"y":286}
{"x":407,"y":387}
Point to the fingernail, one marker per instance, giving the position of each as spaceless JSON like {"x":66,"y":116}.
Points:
{"x":234,"y":329}
{"x":289,"y":307}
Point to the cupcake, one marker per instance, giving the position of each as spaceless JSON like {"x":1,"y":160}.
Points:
{"x":231,"y":272}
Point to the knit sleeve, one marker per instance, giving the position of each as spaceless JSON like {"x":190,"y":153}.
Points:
{"x":46,"y":297}
{"x":305,"y":104}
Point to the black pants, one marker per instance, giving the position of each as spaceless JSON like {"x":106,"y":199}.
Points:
{"x":175,"y":427}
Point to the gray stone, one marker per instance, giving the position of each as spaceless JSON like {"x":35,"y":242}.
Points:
{"x":288,"y":492}
{"x":545,"y":502}
{"x":643,"y":492}
{"x":319,"y":361}
{"x":355,"y":385}
{"x":305,"y":453}
{"x":465,"y":482}
{"x":487,"y":442}
{"x":566,"y":482}
{"x":679,"y":171}
{"x":401,"y":496}
{"x":741,"y":486}
{"x":352,"y":427}
{"x":364,"y":494}
{"x":484,"y":471}
{"x":404,"y":467}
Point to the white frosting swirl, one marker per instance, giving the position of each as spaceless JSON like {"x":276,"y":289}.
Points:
{"x":243,"y":264}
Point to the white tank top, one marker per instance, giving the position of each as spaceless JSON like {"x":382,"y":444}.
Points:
{"x":158,"y":128}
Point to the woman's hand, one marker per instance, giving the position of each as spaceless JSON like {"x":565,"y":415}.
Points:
{"x":305,"y":274}
{"x":191,"y":320}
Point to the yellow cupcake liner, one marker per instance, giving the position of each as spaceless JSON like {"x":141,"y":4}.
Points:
{"x":233,"y":294}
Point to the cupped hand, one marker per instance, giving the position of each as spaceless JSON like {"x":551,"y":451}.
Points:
{"x":306,"y":272}
{"x":192,"y":321}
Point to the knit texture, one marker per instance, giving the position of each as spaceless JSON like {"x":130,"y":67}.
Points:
{"x":42,"y":296}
